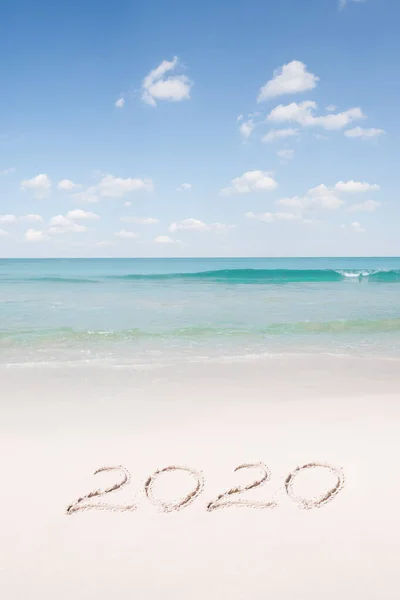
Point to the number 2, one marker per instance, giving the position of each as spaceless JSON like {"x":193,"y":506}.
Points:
{"x":222,"y":501}
{"x":78,"y":504}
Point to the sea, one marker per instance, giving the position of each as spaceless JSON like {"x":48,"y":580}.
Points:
{"x":146,"y":313}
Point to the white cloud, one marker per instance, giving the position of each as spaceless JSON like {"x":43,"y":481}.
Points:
{"x":367,"y":206}
{"x":13,"y":220}
{"x":277,"y":134}
{"x":140,"y":221}
{"x":183,"y":187}
{"x":127,"y":203}
{"x":41,"y":185}
{"x":338,"y":120}
{"x":113,"y":187}
{"x":7,"y":171}
{"x":299,"y":112}
{"x":247,"y":127}
{"x":35,"y":235}
{"x":286,"y":154}
{"x":81,"y":215}
{"x":356,"y":226}
{"x":331,"y":108}
{"x":3,"y":233}
{"x":197,"y":225}
{"x":356,"y":186}
{"x":60,"y":225}
{"x":105,"y":243}
{"x":251,"y":181}
{"x":120,"y":103}
{"x":291,"y":78}
{"x":59,"y":221}
{"x":8,"y":219}
{"x":323,"y":197}
{"x":67,"y":185}
{"x":165,"y":239}
{"x":319,"y":197}
{"x":156,"y":86}
{"x":126,"y":234}
{"x":116,"y":187}
{"x":269,"y":217}
{"x":360,"y":132}
{"x":303,"y":114}
{"x":90,"y":195}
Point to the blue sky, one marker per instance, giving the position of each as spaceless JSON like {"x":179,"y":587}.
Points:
{"x":281,"y":119}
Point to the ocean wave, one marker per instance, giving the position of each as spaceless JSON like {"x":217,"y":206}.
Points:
{"x":234,"y":276}
{"x":71,"y":336}
{"x":48,"y":279}
{"x":270,"y":276}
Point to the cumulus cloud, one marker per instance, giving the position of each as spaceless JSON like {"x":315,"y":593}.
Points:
{"x":82,"y":215}
{"x":35,"y":235}
{"x":367,"y":206}
{"x":90,"y":195}
{"x":157,"y":86}
{"x":8,"y":219}
{"x":323,"y":197}
{"x":291,"y":78}
{"x":251,"y":181}
{"x":126,"y":234}
{"x":33,"y":218}
{"x":319,"y":197}
{"x":140,"y":220}
{"x":116,"y":187}
{"x":3,"y":233}
{"x":165,"y":239}
{"x":113,"y":187}
{"x":247,"y":125}
{"x":356,"y":226}
{"x":356,"y":186}
{"x":246,"y":128}
{"x":40,"y":184}
{"x":183,"y":187}
{"x":303,"y":113}
{"x":13,"y":220}
{"x":105,"y":243}
{"x":60,"y":225}
{"x":269,"y":217}
{"x":278,"y":134}
{"x":364,"y":134}
{"x":197,"y":225}
{"x":67,"y":185}
{"x":120,"y":103}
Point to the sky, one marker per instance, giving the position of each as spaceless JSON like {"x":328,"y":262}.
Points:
{"x":159,"y":128}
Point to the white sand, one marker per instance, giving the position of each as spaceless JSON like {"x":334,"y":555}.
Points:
{"x":58,"y":426}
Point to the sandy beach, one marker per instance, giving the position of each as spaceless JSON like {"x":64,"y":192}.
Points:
{"x":58,"y":426}
{"x":199,"y":300}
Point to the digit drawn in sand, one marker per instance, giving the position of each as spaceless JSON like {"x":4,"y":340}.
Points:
{"x":166,"y":506}
{"x":78,"y":506}
{"x":326,"y":497}
{"x":222,"y":502}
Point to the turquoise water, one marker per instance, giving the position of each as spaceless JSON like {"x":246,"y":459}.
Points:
{"x":154,"y":311}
